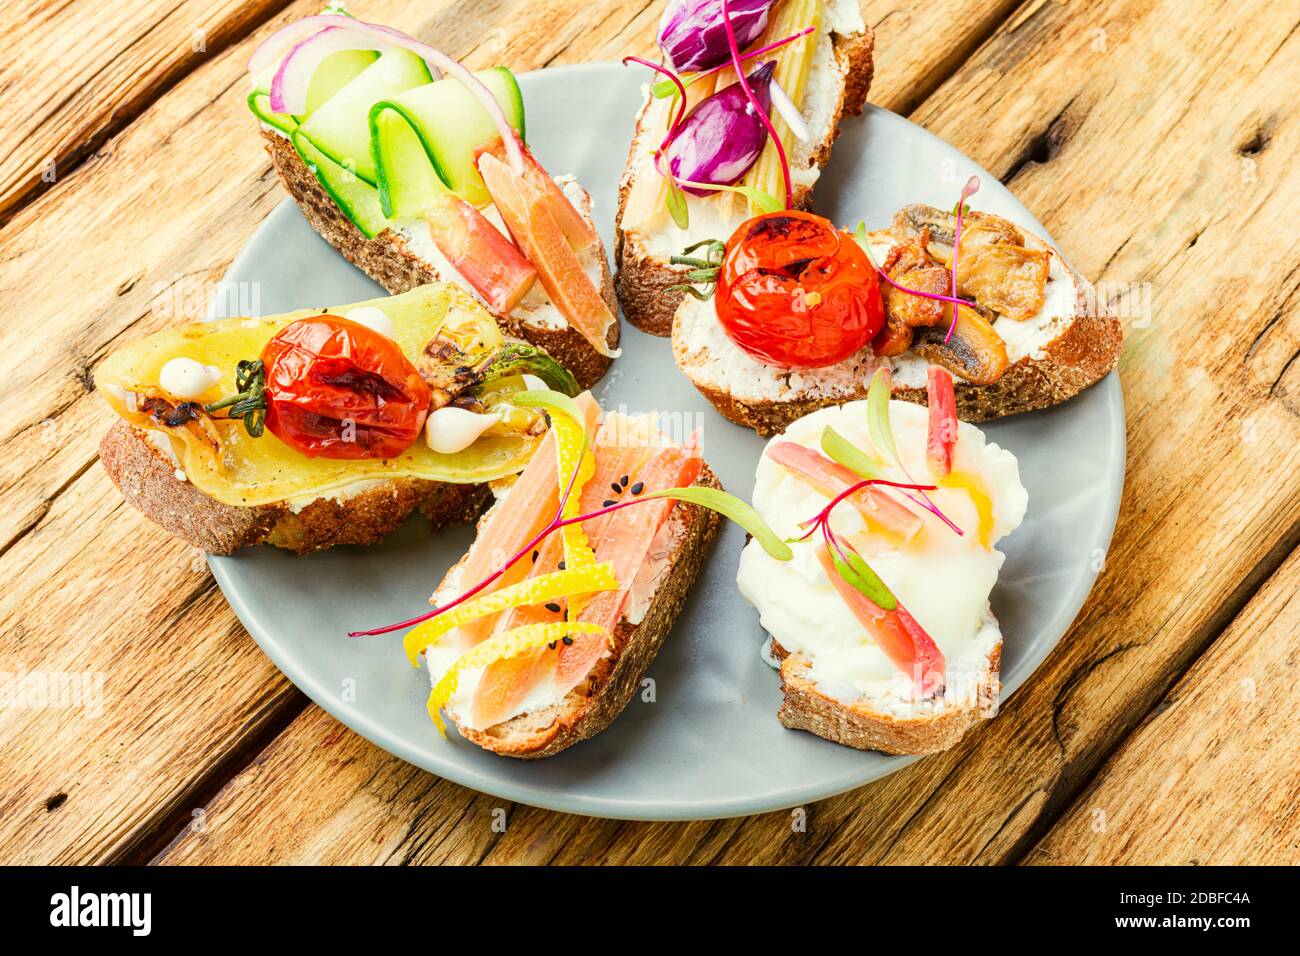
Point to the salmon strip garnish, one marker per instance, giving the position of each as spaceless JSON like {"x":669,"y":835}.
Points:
{"x":529,"y":506}
{"x":524,"y":209}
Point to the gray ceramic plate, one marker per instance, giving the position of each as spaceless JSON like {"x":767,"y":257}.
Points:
{"x":710,"y":745}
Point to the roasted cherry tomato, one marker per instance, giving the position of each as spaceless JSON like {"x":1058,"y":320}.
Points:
{"x":337,"y":389}
{"x":796,"y":292}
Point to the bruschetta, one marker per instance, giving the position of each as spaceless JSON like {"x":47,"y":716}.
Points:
{"x":880,"y":624}
{"x":541,"y":633}
{"x":795,"y":315}
{"x":417,"y":170}
{"x":322,"y":427}
{"x":709,"y":151}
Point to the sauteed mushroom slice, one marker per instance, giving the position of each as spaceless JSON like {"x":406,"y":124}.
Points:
{"x":994,"y":268}
{"x":975,"y":352}
{"x":978,"y":229}
{"x":909,"y":264}
{"x":1010,"y":280}
{"x":894,"y":338}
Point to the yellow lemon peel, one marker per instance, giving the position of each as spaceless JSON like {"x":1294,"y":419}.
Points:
{"x":537,"y":590}
{"x":573,"y":451}
{"x":499,"y":647}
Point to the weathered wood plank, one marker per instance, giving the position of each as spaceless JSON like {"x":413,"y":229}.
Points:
{"x":75,"y":75}
{"x":150,"y":704}
{"x":131,"y":238}
{"x":1154,"y":152}
{"x":1211,"y":776}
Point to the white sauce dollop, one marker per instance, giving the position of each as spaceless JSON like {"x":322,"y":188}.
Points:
{"x":187,"y":379}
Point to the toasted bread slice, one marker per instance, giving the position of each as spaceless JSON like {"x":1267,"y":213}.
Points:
{"x":891,"y":723}
{"x":1071,"y":344}
{"x":843,"y":69}
{"x":590,"y":707}
{"x":148,"y":477}
{"x":391,"y":261}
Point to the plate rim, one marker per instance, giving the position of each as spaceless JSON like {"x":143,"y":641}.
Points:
{"x":553,"y":799}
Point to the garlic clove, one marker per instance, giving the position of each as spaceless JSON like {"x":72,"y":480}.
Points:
{"x":374,"y":319}
{"x":450,"y":429}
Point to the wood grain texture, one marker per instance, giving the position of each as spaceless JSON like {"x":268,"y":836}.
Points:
{"x":177,"y":210}
{"x":1091,"y":129}
{"x":1153,"y":145}
{"x":1211,"y":776}
{"x":76,"y":73}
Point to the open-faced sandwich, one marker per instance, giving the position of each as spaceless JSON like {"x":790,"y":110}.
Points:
{"x":416,"y":170}
{"x":322,"y":427}
{"x":541,"y":633}
{"x":880,"y":624}
{"x":797,"y":315}
{"x":751,"y":99}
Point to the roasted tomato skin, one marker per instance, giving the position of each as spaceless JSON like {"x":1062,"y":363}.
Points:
{"x":796,"y":292}
{"x":337,"y":389}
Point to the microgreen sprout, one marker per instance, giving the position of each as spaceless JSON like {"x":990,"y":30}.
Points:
{"x":970,"y":189}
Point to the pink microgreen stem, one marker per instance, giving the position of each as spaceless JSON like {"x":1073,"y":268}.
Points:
{"x":753,"y":102}
{"x":776,"y":45}
{"x":902,"y":288}
{"x":555,"y":525}
{"x":970,"y":189}
{"x":822,"y":517}
{"x":681,"y":92}
{"x":931,"y":507}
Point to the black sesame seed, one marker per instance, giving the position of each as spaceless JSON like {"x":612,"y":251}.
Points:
{"x":618,"y":489}
{"x":608,"y":503}
{"x":553,"y":608}
{"x":623,"y":482}
{"x":561,"y":565}
{"x":638,"y":488}
{"x":534,"y":557}
{"x":551,"y":645}
{"x":567,"y":640}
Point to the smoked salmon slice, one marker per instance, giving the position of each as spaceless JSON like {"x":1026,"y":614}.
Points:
{"x":506,"y":682}
{"x":896,"y":632}
{"x":529,"y":506}
{"x":626,"y":457}
{"x":619,"y":452}
{"x":625,"y":540}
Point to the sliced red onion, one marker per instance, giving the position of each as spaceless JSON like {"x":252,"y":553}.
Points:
{"x":292,"y":79}
{"x":660,"y":90}
{"x":692,"y":35}
{"x":790,"y":113}
{"x":272,"y":50}
{"x":722,"y":137}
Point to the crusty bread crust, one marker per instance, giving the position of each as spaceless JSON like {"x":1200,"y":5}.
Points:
{"x":386,"y":260}
{"x":806,"y":707}
{"x":644,"y":281}
{"x":1079,"y":357}
{"x":589,"y":708}
{"x":149,"y":482}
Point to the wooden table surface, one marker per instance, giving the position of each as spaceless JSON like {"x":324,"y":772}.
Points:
{"x":1154,"y":138}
